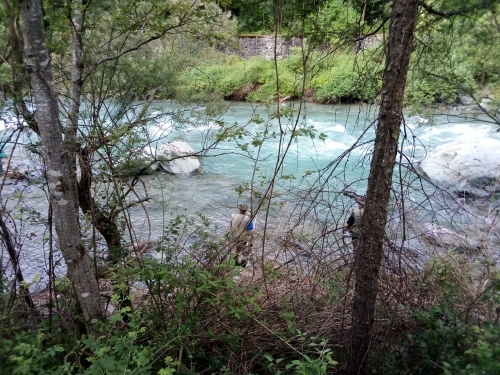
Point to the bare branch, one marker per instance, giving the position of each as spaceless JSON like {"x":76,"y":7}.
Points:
{"x":482,"y":4}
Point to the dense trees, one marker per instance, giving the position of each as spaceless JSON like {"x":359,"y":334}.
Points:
{"x":92,"y":74}
{"x":94,"y":94}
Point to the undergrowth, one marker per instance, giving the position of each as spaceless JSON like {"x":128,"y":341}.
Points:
{"x":192,"y":316}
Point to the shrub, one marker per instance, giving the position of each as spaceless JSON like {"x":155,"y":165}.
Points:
{"x":28,"y":352}
{"x":348,"y":79}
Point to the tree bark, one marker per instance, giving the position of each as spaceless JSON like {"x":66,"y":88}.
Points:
{"x":59,"y":162}
{"x":13,"y":255}
{"x":102,"y":221}
{"x":368,"y":258}
{"x":19,"y":75}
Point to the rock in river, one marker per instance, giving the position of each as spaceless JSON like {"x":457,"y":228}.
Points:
{"x":468,"y":169}
{"x":176,"y":157}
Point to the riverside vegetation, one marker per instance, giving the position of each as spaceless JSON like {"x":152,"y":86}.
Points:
{"x":188,"y":309}
{"x":454,"y":58}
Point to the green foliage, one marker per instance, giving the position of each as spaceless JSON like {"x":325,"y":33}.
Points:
{"x":336,"y":21}
{"x":257,"y":16}
{"x":455,"y":346}
{"x":288,"y":84}
{"x":121,"y":351}
{"x":374,"y":11}
{"x":184,"y":297}
{"x":343,"y":78}
{"x":252,"y":15}
{"x":309,"y":366}
{"x":438,"y":75}
{"x":196,"y":294}
{"x":348,"y":78}
{"x":223,"y":80}
{"x":23,"y":352}
{"x":319,"y":361}
{"x":189,"y":291}
{"x":481,"y":350}
{"x":454,"y":335}
{"x":452,"y":57}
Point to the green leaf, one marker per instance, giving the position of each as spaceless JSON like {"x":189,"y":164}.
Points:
{"x":269,"y":357}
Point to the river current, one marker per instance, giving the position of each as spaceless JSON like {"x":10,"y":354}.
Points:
{"x":337,"y":158}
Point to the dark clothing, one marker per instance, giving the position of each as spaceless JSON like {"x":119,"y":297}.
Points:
{"x":350,"y":221}
{"x":355,"y":226}
{"x":2,"y":155}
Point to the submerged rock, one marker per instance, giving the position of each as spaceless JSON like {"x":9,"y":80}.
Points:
{"x":443,"y":237}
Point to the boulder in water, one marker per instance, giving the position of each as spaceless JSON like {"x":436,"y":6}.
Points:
{"x":467,"y":169}
{"x":176,"y":157}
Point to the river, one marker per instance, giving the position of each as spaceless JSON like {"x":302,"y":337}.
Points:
{"x":336,"y":158}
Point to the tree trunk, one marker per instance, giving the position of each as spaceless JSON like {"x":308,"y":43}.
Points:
{"x":368,"y":258}
{"x":13,"y":255}
{"x":59,"y":162}
{"x":75,"y":89}
{"x":18,"y":67}
{"x":102,"y":221}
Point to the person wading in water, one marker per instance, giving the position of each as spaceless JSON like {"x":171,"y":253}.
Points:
{"x":353,"y":224}
{"x":239,"y":234}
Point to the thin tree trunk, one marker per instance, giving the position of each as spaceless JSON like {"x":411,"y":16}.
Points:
{"x":11,"y":249}
{"x":59,"y":162}
{"x":18,"y":68}
{"x":75,"y":89}
{"x":368,"y":258}
{"x":104,"y":223}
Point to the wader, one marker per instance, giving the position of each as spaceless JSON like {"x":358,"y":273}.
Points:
{"x":356,"y":227}
{"x":240,"y":240}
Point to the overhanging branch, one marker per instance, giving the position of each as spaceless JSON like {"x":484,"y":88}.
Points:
{"x":481,"y":4}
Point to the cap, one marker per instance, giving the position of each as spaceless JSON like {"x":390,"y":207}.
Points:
{"x":243,"y":206}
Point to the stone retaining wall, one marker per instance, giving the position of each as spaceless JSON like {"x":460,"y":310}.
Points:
{"x":368,"y":42}
{"x":263,"y":45}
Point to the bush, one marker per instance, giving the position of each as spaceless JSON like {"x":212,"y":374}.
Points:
{"x":28,"y":352}
{"x":344,"y":81}
{"x":344,"y":78}
{"x":450,"y":345}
